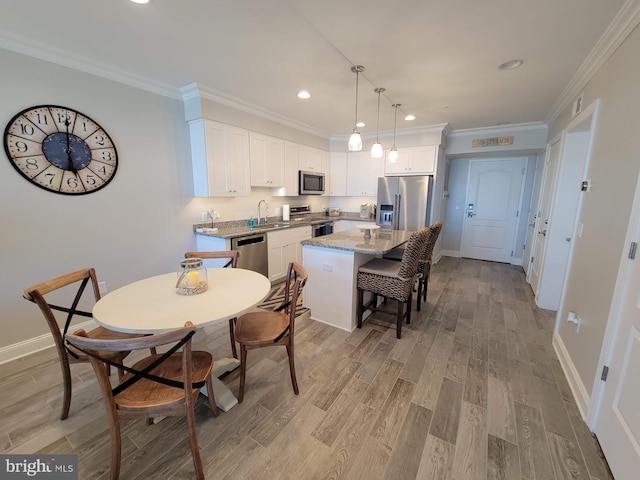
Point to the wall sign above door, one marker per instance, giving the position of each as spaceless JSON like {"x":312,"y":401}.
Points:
{"x":492,"y":142}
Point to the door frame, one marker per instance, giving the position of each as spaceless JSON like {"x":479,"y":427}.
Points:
{"x":536,"y":187}
{"x":615,"y":313}
{"x":520,"y":197}
{"x":615,"y":317}
{"x":550,"y":190}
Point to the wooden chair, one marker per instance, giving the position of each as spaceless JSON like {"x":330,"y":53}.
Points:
{"x":392,"y":279}
{"x":165,"y":384}
{"x":67,"y":354}
{"x":232,"y":257}
{"x":265,"y":329}
{"x":424,"y":267}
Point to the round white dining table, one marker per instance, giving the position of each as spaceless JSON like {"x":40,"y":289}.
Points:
{"x":152,"y":305}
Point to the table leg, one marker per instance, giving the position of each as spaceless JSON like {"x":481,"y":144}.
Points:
{"x":225,"y":399}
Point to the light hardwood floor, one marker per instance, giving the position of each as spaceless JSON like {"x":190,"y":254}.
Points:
{"x":473,"y":390}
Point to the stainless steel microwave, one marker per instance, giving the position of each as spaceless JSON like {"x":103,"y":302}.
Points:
{"x":310,"y":183}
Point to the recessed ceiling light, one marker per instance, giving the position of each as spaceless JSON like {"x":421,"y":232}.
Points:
{"x":304,"y":94}
{"x":360,"y":124}
{"x":511,"y":64}
{"x":410,"y":117}
{"x":140,"y":1}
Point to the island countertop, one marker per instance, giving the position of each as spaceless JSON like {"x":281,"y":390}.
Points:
{"x":353,"y":240}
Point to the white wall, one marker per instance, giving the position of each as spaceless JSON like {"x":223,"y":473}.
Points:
{"x":614,"y":168}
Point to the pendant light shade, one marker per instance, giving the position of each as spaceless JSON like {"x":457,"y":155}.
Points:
{"x":393,"y":154}
{"x":355,"y":141}
{"x":376,"y":149}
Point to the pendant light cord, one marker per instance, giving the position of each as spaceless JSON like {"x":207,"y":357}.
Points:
{"x":378,"y":119}
{"x":355,"y":123}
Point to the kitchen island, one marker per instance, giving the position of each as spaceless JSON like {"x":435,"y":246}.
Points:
{"x":332,"y":262}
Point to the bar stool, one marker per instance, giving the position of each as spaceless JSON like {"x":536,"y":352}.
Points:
{"x":392,"y":279}
{"x":424,"y":267}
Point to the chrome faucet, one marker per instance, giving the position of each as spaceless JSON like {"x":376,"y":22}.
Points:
{"x":267,"y":211}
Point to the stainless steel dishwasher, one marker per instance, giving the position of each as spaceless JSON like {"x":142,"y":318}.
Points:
{"x":253,"y":252}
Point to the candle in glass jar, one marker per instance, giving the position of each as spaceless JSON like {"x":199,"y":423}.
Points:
{"x":193,"y":279}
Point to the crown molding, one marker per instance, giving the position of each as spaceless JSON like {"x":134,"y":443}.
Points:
{"x":438,"y":128}
{"x":495,"y":129}
{"x":620,"y":27}
{"x":193,"y":90}
{"x":84,"y":64}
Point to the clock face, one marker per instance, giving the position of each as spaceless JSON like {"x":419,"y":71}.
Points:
{"x":61,"y":150}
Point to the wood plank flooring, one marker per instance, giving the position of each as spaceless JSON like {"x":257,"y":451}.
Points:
{"x":473,"y":390}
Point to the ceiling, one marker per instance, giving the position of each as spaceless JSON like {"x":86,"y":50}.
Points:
{"x":438,"y":58}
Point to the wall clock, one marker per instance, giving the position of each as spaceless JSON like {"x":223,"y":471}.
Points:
{"x":60,"y":149}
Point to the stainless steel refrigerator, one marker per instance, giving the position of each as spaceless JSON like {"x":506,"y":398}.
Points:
{"x":404,"y":203}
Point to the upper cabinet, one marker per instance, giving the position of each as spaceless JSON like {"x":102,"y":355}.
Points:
{"x":413,"y":161}
{"x":362,"y":174}
{"x":309,"y":159}
{"x":267,"y":160}
{"x":326,"y":169}
{"x":338,"y":174}
{"x":300,"y":157}
{"x":220,"y":159}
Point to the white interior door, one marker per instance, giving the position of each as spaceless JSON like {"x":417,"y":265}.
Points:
{"x":532,"y":215}
{"x":618,"y":423}
{"x":544,"y":212}
{"x":494,"y":190}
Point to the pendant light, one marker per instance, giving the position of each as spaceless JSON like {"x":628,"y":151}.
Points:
{"x":393,"y":154}
{"x":376,"y":149}
{"x":355,"y":141}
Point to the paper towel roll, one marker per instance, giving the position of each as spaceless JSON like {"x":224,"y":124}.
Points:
{"x":285,"y":213}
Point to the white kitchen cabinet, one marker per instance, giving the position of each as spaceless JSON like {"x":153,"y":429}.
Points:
{"x":267,"y":160}
{"x":362,"y":174}
{"x":220,"y":159}
{"x":285,"y":247}
{"x":412,"y":161}
{"x":326,"y":169}
{"x":338,"y":174}
{"x":290,"y":189}
{"x":309,"y":159}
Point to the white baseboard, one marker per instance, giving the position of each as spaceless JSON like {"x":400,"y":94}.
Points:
{"x":516,"y":261}
{"x":578,"y":389}
{"x":450,"y":253}
{"x":36,"y":344}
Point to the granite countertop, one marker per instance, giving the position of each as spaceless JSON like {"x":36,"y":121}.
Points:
{"x":353,"y":240}
{"x":241,"y":229}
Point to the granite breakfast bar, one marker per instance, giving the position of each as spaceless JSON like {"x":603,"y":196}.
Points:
{"x":332,"y":262}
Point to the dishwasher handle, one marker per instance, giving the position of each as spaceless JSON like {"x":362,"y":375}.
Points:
{"x":249,"y":240}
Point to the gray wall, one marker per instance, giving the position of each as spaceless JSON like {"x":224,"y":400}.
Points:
{"x":137,"y":226}
{"x":606,"y":208}
{"x":457,"y":177}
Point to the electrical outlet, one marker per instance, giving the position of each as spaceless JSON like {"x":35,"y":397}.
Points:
{"x":204,"y":216}
{"x":327,"y":267}
{"x":102,"y":286}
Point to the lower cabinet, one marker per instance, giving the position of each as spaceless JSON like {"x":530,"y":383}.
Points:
{"x":285,"y":247}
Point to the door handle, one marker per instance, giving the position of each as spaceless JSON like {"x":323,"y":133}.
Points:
{"x":470,"y":211}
